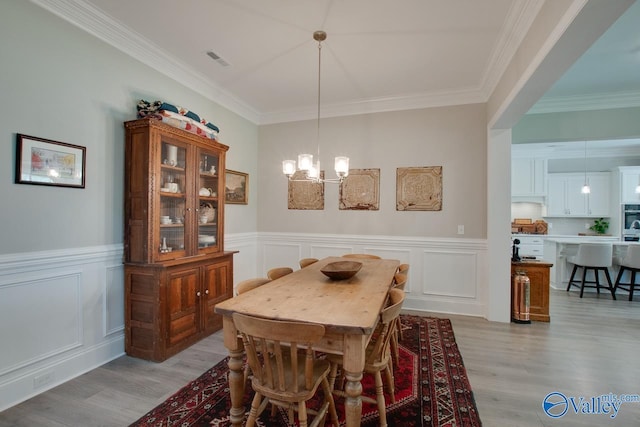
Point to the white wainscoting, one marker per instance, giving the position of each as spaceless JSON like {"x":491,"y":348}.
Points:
{"x":62,"y":312}
{"x":446,"y":275}
{"x":61,"y":315}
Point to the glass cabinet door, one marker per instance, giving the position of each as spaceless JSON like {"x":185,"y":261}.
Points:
{"x":173,"y":200}
{"x":208,"y":196}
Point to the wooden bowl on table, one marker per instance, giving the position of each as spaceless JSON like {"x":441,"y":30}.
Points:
{"x":341,"y":270}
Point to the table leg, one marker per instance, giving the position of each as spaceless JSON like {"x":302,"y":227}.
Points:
{"x":353,"y":364}
{"x":236,"y":371}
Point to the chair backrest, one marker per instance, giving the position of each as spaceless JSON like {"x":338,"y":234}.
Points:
{"x":276,"y":273}
{"x":250,"y":284}
{"x":594,"y":254}
{"x":307,"y":261}
{"x":399,"y":280}
{"x":378,"y":351}
{"x":403,"y":268}
{"x":277,"y":348}
{"x":632,"y":257}
{"x":363,"y":256}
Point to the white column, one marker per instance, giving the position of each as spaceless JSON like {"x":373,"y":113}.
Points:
{"x":498,"y":295}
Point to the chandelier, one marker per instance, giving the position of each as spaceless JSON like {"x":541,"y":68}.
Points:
{"x":305,"y":161}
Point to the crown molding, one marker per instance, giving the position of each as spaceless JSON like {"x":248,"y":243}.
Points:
{"x":517,"y":24}
{"x":378,"y":105}
{"x":92,"y":20}
{"x":576,"y":149}
{"x":597,"y":101}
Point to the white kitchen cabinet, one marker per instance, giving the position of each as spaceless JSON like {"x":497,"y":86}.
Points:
{"x":531,"y":245}
{"x":528,"y":177}
{"x":629,"y":180}
{"x":565,"y":198}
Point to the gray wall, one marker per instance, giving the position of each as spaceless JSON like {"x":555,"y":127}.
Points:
{"x":60,"y":83}
{"x":452,"y":137}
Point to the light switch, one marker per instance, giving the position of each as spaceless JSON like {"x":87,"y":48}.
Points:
{"x":461,"y":229}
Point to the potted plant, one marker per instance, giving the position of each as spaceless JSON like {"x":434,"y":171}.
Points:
{"x":600,"y":226}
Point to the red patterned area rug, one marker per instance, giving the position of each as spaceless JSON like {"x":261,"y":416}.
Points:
{"x":431,"y":388}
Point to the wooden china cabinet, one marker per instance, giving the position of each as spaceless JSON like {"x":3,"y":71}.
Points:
{"x":176,"y":269}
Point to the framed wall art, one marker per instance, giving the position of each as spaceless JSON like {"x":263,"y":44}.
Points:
{"x":360,"y":190}
{"x":236,"y":187}
{"x":419,"y":188}
{"x":305,"y":195}
{"x":42,"y":161}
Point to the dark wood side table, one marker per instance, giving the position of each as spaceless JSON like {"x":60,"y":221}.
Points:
{"x":538,"y":273}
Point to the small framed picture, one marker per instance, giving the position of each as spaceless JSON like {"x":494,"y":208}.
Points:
{"x":44,"y":162}
{"x":236,"y":187}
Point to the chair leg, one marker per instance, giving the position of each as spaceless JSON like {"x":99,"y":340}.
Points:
{"x":573,"y":273}
{"x":253,"y":413}
{"x":606,"y":274}
{"x":333,"y":414}
{"x":584,"y":277}
{"x":632,"y":285}
{"x":302,"y":414}
{"x":380,"y":399}
{"x":620,"y":272}
{"x":391,"y":385}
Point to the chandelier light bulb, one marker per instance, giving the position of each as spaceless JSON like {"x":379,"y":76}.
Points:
{"x":288,"y":167}
{"x":305,"y":161}
{"x":342,"y":166}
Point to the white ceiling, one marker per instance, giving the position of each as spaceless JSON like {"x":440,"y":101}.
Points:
{"x":379,"y":55}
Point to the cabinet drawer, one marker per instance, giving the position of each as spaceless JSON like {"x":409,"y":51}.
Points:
{"x":533,"y":250}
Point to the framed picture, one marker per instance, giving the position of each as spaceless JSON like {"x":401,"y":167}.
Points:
{"x":361,"y":190}
{"x":305,"y":195}
{"x":236,"y":187}
{"x":419,"y":189}
{"x":44,"y":162}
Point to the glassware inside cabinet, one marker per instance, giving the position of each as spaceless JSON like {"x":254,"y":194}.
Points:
{"x":172,"y":234}
{"x":208,"y":199}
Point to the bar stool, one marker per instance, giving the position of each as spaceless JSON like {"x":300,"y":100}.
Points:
{"x":630,"y":262}
{"x":592,"y":256}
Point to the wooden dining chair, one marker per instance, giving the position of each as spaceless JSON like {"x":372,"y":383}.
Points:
{"x":399,"y":282}
{"x":250,"y":284}
{"x":307,"y":261}
{"x":246,"y":286}
{"x":362,"y":256}
{"x":285,"y":371}
{"x":403,"y":268}
{"x":377,"y":356}
{"x":277,"y":272}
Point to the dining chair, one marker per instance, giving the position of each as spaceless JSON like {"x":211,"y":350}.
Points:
{"x":250,"y":284}
{"x":307,"y":261}
{"x":595,"y":257}
{"x":285,"y":371}
{"x":277,"y":272}
{"x":377,"y":356}
{"x":362,"y":256}
{"x":399,"y":282}
{"x":403,"y":268}
{"x":246,"y":286}
{"x":630,"y":263}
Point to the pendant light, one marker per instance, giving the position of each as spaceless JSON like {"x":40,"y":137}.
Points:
{"x":585,"y":188}
{"x":305,"y":161}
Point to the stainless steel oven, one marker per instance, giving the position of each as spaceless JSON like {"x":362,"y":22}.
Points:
{"x":631,"y":223}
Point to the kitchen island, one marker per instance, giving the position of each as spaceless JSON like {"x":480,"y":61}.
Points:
{"x":558,"y":249}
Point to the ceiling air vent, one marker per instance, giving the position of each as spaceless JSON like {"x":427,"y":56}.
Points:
{"x":217,"y":58}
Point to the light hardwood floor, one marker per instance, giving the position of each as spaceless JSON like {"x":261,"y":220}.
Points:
{"x":590,"y":348}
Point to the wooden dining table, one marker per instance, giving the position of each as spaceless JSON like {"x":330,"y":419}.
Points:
{"x":347,"y":308}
